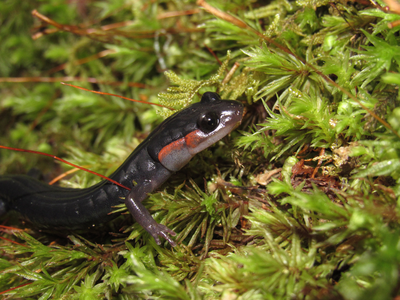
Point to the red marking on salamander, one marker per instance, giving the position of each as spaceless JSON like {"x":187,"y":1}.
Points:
{"x":194,"y":139}
{"x":174,"y":146}
{"x":191,"y":140}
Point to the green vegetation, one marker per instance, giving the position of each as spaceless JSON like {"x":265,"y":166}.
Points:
{"x":301,"y":202}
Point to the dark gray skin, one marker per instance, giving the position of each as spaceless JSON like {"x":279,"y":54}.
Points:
{"x":166,"y":150}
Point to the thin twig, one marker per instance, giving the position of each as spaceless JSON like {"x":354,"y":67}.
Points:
{"x":115,"y":95}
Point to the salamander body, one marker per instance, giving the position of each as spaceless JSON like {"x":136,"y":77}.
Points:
{"x":166,"y":150}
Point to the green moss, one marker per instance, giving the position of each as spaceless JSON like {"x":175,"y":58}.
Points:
{"x":302,"y":201}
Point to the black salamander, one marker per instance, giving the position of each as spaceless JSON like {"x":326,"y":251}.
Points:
{"x":166,"y":150}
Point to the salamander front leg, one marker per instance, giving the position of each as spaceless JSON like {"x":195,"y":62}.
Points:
{"x":143,"y":217}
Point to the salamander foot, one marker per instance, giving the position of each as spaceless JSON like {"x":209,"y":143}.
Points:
{"x":159,"y":230}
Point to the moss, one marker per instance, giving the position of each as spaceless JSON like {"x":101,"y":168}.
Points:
{"x":300,"y":202}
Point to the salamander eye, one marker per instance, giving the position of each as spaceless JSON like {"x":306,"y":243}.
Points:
{"x":208,"y":122}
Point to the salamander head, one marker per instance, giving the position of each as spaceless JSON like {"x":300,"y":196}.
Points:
{"x":194,"y":129}
{"x":219,"y":118}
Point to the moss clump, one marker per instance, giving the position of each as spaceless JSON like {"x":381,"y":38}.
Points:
{"x":300,"y":202}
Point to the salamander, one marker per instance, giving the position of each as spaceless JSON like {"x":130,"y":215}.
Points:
{"x":166,"y":150}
